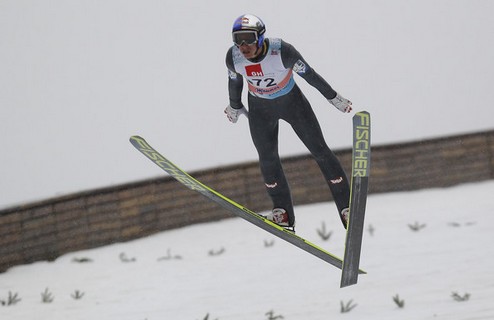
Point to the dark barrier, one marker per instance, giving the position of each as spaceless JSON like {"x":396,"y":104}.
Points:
{"x":48,"y":229}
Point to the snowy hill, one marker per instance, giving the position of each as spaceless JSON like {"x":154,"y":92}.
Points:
{"x":225,"y":269}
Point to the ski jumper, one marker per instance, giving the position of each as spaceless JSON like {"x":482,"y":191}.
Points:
{"x":273,"y":96}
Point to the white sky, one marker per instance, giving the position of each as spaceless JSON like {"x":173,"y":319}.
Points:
{"x":79,"y":77}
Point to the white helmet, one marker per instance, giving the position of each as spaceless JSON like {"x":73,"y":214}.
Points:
{"x":248,"y":28}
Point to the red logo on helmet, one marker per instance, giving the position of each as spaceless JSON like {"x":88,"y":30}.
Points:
{"x":254,"y":70}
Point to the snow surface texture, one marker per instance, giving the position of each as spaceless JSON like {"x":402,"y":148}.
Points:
{"x":225,"y":270}
{"x":80,"y":77}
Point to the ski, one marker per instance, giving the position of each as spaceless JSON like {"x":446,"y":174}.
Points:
{"x":235,"y":208}
{"x":358,"y":198}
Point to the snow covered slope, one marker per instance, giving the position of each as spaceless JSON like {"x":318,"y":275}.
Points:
{"x":225,"y":269}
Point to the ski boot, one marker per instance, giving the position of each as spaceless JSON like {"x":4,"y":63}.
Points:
{"x":345,"y":215}
{"x":280,"y":217}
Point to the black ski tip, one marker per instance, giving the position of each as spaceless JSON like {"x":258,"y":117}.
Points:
{"x":134,"y":137}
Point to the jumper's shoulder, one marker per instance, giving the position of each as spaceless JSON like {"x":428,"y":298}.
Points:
{"x":231,"y":56}
{"x":289,"y":55}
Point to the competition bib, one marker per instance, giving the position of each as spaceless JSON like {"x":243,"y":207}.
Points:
{"x":268,"y":78}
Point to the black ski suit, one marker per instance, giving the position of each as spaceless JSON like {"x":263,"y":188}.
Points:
{"x":287,"y":103}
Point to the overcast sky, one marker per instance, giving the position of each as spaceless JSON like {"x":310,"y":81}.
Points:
{"x":78,"y":77}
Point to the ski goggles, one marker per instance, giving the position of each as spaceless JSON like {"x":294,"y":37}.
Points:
{"x":248,"y":37}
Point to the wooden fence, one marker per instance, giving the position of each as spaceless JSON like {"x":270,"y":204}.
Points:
{"x":48,"y":229}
